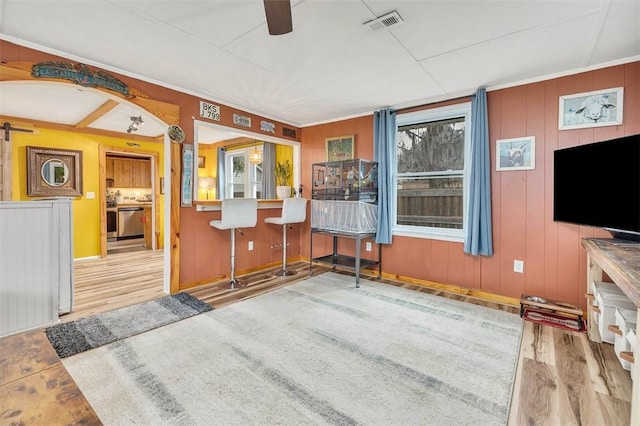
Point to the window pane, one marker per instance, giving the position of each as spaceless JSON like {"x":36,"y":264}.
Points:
{"x":430,"y":165}
{"x":432,"y":146}
{"x":430,"y":201}
{"x":238,"y":176}
{"x":244,"y":180}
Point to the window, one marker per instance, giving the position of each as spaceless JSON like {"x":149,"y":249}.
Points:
{"x":243,"y":179}
{"x":431,"y":172}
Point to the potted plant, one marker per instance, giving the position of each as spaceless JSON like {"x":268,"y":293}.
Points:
{"x":283,"y":173}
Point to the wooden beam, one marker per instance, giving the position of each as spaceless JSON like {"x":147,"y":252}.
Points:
{"x":174,"y":238}
{"x":97,"y":113}
{"x":88,"y":130}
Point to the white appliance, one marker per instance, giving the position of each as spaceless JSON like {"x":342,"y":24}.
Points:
{"x":36,"y":263}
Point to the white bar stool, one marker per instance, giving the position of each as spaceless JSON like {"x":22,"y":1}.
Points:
{"x":236,"y":213}
{"x":294,"y":210}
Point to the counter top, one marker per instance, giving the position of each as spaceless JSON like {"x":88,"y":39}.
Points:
{"x":620,"y":259}
{"x":216,"y":205}
{"x":135,"y":204}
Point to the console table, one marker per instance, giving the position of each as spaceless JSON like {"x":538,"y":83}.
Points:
{"x":620,"y":260}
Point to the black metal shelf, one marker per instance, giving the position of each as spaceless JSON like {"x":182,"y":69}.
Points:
{"x":348,"y":261}
{"x":335,"y":259}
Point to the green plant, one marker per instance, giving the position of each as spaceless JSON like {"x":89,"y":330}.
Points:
{"x":283,"y":173}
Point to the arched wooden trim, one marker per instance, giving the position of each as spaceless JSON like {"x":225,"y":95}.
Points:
{"x":168,"y":113}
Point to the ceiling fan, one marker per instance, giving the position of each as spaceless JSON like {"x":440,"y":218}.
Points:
{"x":278,"y":13}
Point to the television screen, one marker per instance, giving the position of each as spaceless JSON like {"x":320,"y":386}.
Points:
{"x":598,"y":184}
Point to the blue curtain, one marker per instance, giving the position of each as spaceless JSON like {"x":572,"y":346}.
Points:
{"x":384,"y":144}
{"x":221,"y":174}
{"x":478,"y":240}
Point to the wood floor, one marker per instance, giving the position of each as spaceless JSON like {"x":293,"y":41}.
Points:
{"x":562,"y":378}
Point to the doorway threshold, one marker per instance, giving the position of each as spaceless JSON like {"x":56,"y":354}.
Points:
{"x":124,"y":246}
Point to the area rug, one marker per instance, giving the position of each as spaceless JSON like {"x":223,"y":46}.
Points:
{"x":554,"y":320}
{"x":319,"y":351}
{"x":97,"y":330}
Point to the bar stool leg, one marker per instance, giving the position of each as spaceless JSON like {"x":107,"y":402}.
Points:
{"x":284,"y":272}
{"x":233,"y":282}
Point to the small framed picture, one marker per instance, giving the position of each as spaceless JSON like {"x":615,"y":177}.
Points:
{"x":340,"y":148}
{"x":516,"y":153}
{"x":201,"y":161}
{"x":591,"y":109}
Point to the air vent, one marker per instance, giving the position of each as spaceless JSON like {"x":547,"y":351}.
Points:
{"x":389,"y":20}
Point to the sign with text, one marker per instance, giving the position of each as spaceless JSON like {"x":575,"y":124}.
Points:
{"x":242,"y":120}
{"x":210,"y":111}
{"x":265,"y":126}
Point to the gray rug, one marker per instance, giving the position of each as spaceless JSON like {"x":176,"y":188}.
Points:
{"x":97,"y":330}
{"x":317,"y":352}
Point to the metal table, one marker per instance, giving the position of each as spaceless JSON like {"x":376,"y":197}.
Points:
{"x":336,"y":259}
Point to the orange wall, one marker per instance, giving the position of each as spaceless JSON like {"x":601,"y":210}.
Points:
{"x":555,"y":263}
{"x":522,"y":201}
{"x":208,"y":249}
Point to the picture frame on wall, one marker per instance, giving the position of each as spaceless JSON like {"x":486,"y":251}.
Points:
{"x":201,"y":161}
{"x":186,"y":192}
{"x":591,"y":109}
{"x":516,"y":153}
{"x":54,"y":172}
{"x":340,"y":148}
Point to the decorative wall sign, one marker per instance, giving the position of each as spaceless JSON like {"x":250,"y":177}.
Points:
{"x":186,"y":197}
{"x":176,"y":134}
{"x":290,"y":133}
{"x":591,"y":109}
{"x":54,"y":172}
{"x":80,"y":74}
{"x":209,"y":111}
{"x":266,"y":126}
{"x":516,"y":153}
{"x":242,"y":120}
{"x":340,"y":148}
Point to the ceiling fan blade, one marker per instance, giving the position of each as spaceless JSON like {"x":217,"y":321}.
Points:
{"x":278,"y":13}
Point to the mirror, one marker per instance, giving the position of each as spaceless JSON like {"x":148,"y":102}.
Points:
{"x":54,"y":172}
{"x":244,"y":177}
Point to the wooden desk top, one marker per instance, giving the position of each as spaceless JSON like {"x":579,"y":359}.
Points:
{"x":620,"y":260}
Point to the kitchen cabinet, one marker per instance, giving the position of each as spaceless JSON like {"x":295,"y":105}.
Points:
{"x":129,"y":172}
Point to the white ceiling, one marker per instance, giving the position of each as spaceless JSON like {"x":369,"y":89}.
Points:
{"x":331,"y":66}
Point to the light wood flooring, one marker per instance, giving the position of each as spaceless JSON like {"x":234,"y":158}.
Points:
{"x":562,"y":378}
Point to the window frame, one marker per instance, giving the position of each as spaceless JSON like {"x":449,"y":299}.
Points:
{"x":250,"y":178}
{"x":423,"y":116}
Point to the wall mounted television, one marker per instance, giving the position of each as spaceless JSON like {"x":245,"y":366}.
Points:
{"x":598,"y":184}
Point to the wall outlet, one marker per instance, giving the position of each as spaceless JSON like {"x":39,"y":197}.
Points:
{"x":367,"y":246}
{"x":518,"y":266}
{"x":250,"y":245}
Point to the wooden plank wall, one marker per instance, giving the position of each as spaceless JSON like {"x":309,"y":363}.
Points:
{"x":522,"y":201}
